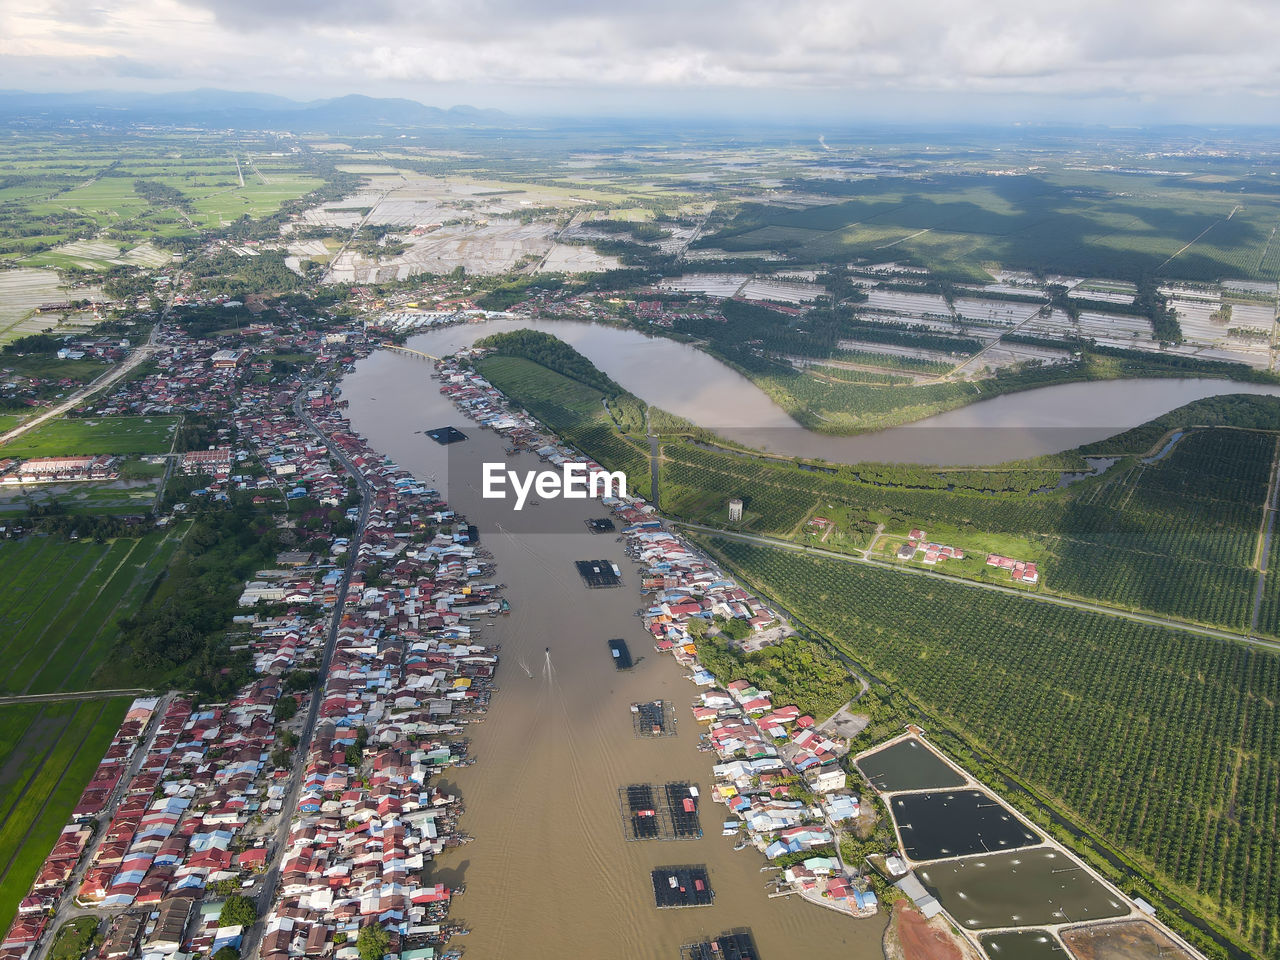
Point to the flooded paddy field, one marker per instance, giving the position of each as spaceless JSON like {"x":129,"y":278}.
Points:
{"x":1129,"y":940}
{"x":1016,"y":889}
{"x":908,"y":765}
{"x":956,"y":824}
{"x":1023,"y":945}
{"x":24,"y":289}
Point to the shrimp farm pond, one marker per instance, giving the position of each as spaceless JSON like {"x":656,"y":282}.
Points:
{"x":1041,"y":886}
{"x":1023,"y":945}
{"x":957,"y":823}
{"x":908,"y":765}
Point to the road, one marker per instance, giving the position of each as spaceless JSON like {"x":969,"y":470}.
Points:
{"x":1268,"y":525}
{"x":113,"y":375}
{"x":68,"y":909}
{"x":271,"y":878}
{"x":1117,"y":612}
{"x":354,"y":234}
{"x":88,"y":390}
{"x":74,"y":695}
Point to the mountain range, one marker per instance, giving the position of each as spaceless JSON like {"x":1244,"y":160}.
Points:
{"x":247,"y":111}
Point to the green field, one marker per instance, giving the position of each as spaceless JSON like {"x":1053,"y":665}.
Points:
{"x":118,"y":192}
{"x":48,"y":752}
{"x":62,"y":601}
{"x":94,"y":435}
{"x":1175,"y":537}
{"x":83,"y":498}
{"x":1163,"y":743}
{"x":572,"y":410}
{"x":1070,"y":221}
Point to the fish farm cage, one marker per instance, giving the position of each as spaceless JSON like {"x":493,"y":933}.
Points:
{"x":446,"y":435}
{"x":600,"y":525}
{"x":682,"y":886}
{"x":598,"y":573}
{"x":737,"y":944}
{"x":621,"y":654}
{"x":669,"y":812}
{"x":657,"y":718}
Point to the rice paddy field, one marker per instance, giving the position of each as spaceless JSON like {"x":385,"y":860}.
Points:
{"x":74,"y":437}
{"x":62,"y":602}
{"x":124,"y":497}
{"x":48,"y":752}
{"x":24,"y":289}
{"x":91,"y":201}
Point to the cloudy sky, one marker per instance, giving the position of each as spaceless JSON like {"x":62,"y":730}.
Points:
{"x":1106,"y":60}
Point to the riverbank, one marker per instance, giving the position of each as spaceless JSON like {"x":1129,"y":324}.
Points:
{"x":702,"y":389}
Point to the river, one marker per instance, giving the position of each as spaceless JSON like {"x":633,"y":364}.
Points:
{"x":692,"y":384}
{"x":550,"y":874}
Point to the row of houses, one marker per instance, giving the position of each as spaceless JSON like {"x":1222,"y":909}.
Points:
{"x":778,"y":775}
{"x":181,"y":808}
{"x":1019,"y":570}
{"x":61,"y":469}
{"x":162,"y":823}
{"x":405,"y":678}
{"x":926,"y":551}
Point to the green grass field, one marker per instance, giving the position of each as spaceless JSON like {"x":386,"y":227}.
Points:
{"x":94,"y":435}
{"x":59,"y":189}
{"x":62,"y":601}
{"x":573,"y":410}
{"x":48,"y":752}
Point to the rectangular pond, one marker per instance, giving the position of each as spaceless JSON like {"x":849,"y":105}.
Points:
{"x":1129,"y":940}
{"x":957,"y":823}
{"x":1018,"y":889}
{"x":1023,"y":945}
{"x":908,"y":765}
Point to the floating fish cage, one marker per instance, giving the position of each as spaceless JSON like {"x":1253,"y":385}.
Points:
{"x":621,"y":654}
{"x":737,"y":944}
{"x":669,"y":812}
{"x":446,"y":435}
{"x":657,"y":718}
{"x":682,"y":886}
{"x":599,"y":573}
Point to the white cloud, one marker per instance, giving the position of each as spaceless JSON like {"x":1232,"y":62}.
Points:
{"x":1059,"y":48}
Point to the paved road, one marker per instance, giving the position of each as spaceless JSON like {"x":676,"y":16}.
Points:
{"x":138,"y":356}
{"x":74,"y":695}
{"x":68,"y":909}
{"x":88,"y":390}
{"x":1158,"y":621}
{"x":271,"y":879}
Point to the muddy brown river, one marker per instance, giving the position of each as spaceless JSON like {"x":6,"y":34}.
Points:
{"x":550,"y":874}
{"x":695,"y":385}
